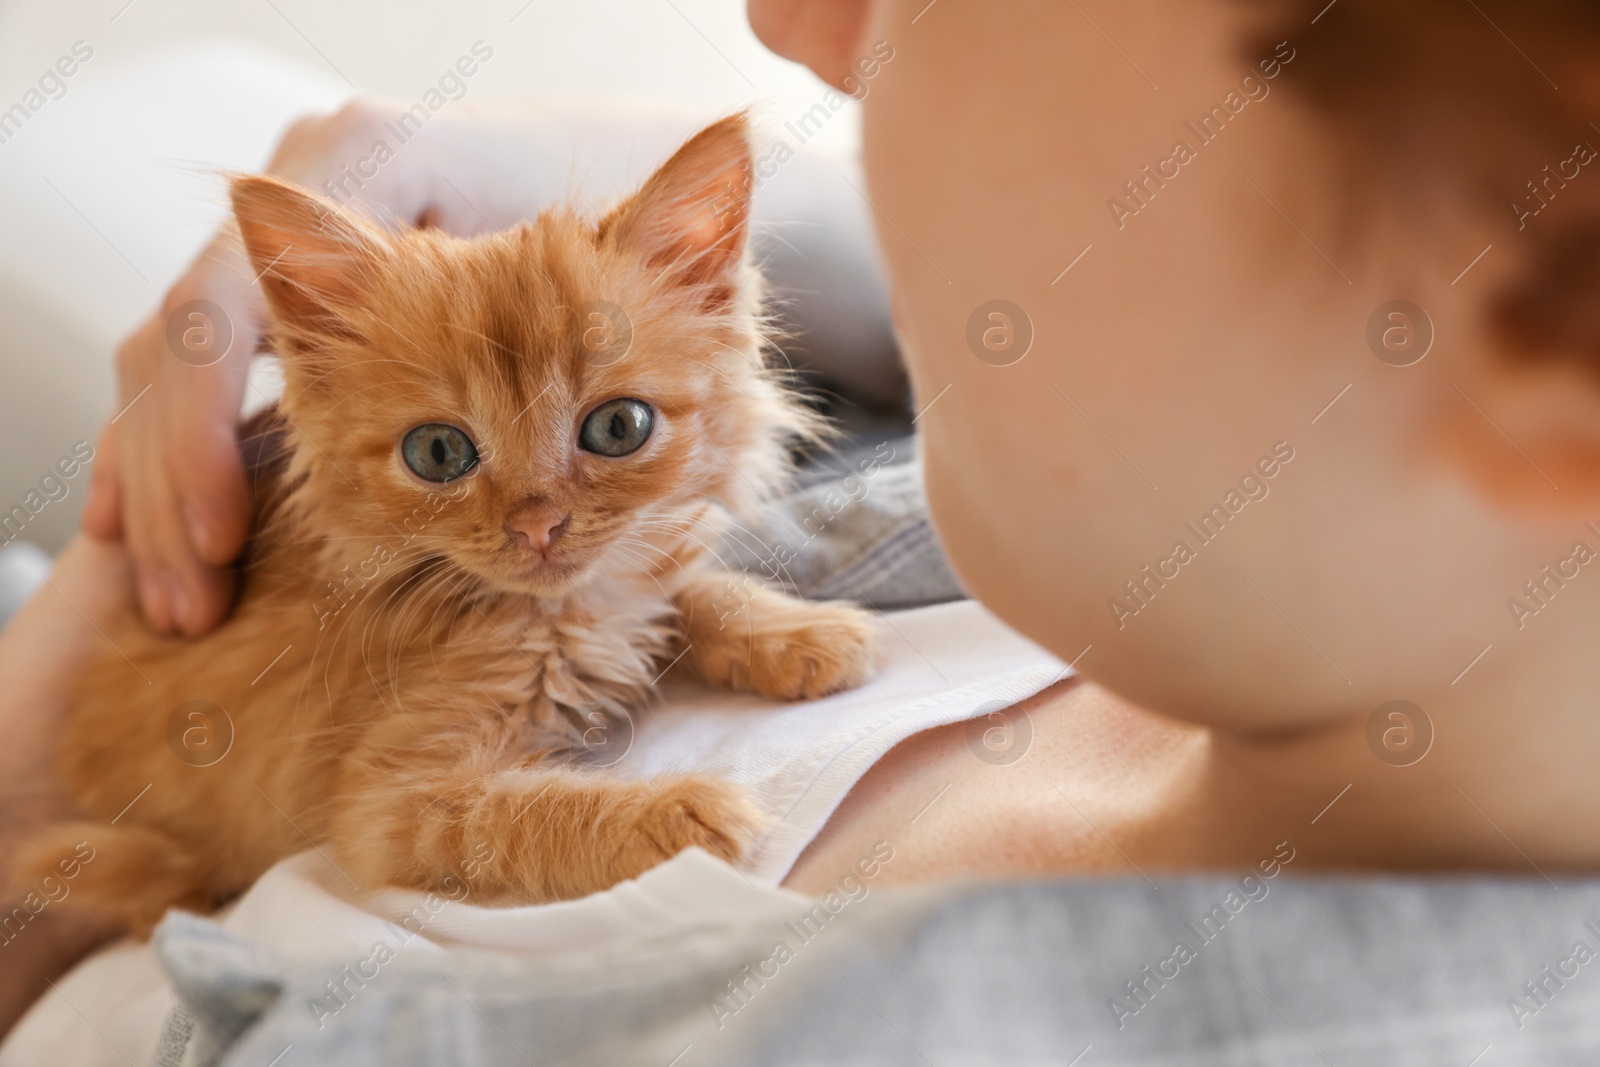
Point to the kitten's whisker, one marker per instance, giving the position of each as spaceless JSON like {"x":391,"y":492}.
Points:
{"x":647,"y":568}
{"x":414,"y":600}
{"x":416,"y":578}
{"x":717,"y":555}
{"x":447,"y":604}
{"x":642,"y":543}
{"x":768,"y":553}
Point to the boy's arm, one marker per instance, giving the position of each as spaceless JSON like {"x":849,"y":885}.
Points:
{"x":52,"y":639}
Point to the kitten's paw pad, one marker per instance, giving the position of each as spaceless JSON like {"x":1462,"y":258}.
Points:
{"x":821,"y":649}
{"x":693,"y":810}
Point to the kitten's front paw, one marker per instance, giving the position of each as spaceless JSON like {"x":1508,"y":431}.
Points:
{"x":811,"y":650}
{"x":693,"y":809}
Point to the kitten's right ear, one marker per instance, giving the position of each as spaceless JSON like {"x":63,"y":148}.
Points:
{"x":314,"y":261}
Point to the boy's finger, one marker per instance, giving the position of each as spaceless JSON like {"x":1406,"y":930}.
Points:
{"x":179,"y":590}
{"x":102,"y":512}
{"x":214,"y":501}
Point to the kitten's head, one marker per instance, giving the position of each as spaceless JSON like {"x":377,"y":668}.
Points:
{"x":526,"y":404}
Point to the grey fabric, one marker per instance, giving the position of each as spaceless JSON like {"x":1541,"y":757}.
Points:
{"x":857,"y":529}
{"x":222,"y":984}
{"x":453,"y":1007}
{"x":1286,"y":972}
{"x":1401,"y":973}
{"x":176,"y":1037}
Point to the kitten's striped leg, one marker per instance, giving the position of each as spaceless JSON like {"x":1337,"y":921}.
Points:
{"x":124,"y":876}
{"x":439,"y":805}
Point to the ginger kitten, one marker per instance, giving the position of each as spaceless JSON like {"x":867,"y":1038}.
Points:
{"x":489,"y":529}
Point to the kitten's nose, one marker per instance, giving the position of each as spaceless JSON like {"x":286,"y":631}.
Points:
{"x":537,"y":527}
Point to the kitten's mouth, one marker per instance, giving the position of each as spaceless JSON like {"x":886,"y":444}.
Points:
{"x":553,"y":571}
{"x":548,"y":574}
{"x":548,"y":565}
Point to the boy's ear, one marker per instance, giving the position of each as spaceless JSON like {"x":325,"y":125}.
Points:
{"x":691,"y":216}
{"x":1526,"y":437}
{"x":1524,"y":412}
{"x":314,"y":262}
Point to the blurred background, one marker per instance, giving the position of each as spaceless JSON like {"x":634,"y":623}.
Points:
{"x":109,"y":183}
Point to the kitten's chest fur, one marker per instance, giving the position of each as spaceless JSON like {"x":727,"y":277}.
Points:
{"x":557,"y":663}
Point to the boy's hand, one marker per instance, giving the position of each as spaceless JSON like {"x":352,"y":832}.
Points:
{"x":169,"y":481}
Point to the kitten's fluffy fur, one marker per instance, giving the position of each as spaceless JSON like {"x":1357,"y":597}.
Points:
{"x":431,"y":664}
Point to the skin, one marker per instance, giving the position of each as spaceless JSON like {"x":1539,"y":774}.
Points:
{"x":51,"y":637}
{"x":1221,"y":320}
{"x":1196,"y":338}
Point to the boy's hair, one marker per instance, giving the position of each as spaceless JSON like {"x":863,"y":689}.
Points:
{"x":1443,"y":85}
{"x":1439,"y":105}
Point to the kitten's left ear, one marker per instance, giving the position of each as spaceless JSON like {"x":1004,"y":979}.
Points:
{"x":691,"y":216}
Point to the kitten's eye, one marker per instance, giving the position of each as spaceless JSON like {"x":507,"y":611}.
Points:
{"x":439,"y":453}
{"x":617,"y":427}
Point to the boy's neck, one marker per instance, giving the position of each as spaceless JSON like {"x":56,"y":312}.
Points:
{"x":1462,"y":780}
